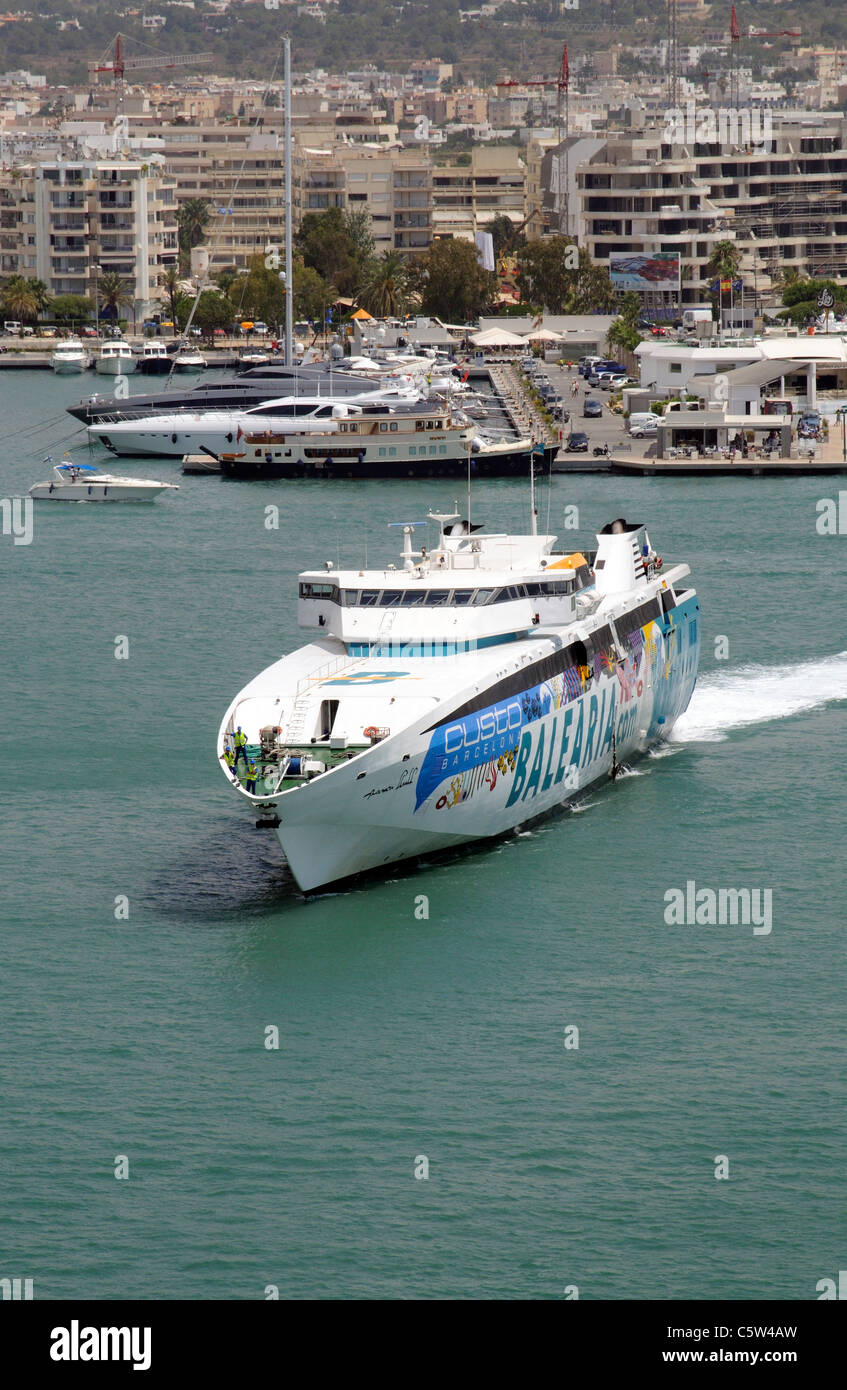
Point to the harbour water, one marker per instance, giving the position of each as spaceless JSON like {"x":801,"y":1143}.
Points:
{"x":152,"y":936}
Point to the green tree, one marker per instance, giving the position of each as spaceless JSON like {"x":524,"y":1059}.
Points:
{"x":259,"y":294}
{"x":312,"y":294}
{"x":556,"y":275}
{"x":385,"y":288}
{"x":724,"y":261}
{"x":70,"y":309}
{"x":224,"y":278}
{"x":502,"y":234}
{"x":213,"y":311}
{"x":192,"y":218}
{"x":451,"y":282}
{"x":113,"y":292}
{"x":360,"y":231}
{"x":22,"y":298}
{"x":334,"y":246}
{"x":801,"y":300}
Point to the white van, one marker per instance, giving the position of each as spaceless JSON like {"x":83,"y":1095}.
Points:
{"x":642,"y":422}
{"x":11,"y":326}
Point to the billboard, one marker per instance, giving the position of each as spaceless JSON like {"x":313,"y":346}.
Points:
{"x":657,"y":271}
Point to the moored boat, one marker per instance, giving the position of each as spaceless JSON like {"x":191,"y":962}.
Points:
{"x":70,"y":357}
{"x":486,"y":683}
{"x":188,"y":359}
{"x":155,"y":359}
{"x":116,"y":359}
{"x":81,"y":482}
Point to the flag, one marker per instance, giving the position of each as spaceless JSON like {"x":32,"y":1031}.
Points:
{"x":484,"y":249}
{"x":224,"y":212}
{"x":238,"y":435}
{"x":726,"y":285}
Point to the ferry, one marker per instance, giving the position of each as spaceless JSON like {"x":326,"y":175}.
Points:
{"x":483,"y":684}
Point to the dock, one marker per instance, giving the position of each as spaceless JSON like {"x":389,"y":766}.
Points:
{"x":200,"y":463}
{"x":725,"y":468}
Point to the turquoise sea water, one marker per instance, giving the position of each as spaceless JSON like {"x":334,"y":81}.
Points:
{"x":402,"y":1036}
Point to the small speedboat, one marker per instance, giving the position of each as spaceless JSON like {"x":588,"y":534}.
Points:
{"x":71,"y":356}
{"x":188,"y":359}
{"x":81,"y":482}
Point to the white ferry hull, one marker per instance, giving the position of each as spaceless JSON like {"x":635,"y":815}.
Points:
{"x":435,"y":788}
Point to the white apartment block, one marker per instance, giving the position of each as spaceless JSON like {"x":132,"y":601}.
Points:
{"x":466,"y":198}
{"x":393,"y":185}
{"x":69,"y":222}
{"x":238,"y":172}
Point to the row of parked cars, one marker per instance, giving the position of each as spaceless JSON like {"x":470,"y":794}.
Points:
{"x":534,"y":369}
{"x":605,"y":374}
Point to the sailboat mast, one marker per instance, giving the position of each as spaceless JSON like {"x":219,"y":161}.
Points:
{"x":289,"y":279}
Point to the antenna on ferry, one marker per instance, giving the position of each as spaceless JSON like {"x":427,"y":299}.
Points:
{"x":469,"y":492}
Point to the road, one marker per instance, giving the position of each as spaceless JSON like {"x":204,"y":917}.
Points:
{"x":608,"y":429}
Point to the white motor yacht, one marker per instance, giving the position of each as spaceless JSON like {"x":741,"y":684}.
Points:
{"x":155,"y":359}
{"x":188,"y":359}
{"x":70,"y":357}
{"x":116,"y":359}
{"x":80,"y":482}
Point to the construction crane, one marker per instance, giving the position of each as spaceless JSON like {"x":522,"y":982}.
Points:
{"x":752,"y":33}
{"x":562,"y":85}
{"x":120,"y":65}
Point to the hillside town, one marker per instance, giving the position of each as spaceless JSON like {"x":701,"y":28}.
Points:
{"x":669,"y":200}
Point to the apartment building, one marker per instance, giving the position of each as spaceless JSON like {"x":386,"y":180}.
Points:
{"x":68,"y":222}
{"x":238,"y":171}
{"x":467,"y":197}
{"x":785,"y":206}
{"x":393,"y":185}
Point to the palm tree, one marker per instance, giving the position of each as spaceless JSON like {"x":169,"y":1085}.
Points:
{"x":113,"y":291}
{"x":169,"y":281}
{"x":193,"y":218}
{"x":724,"y":260}
{"x":22,"y":298}
{"x":385,"y":288}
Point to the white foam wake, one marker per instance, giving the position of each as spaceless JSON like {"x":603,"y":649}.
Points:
{"x":757,"y":694}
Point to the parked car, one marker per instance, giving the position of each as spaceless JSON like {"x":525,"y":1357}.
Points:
{"x":591,"y":409}
{"x":562,"y":414}
{"x":577,"y":442}
{"x":644,"y":427}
